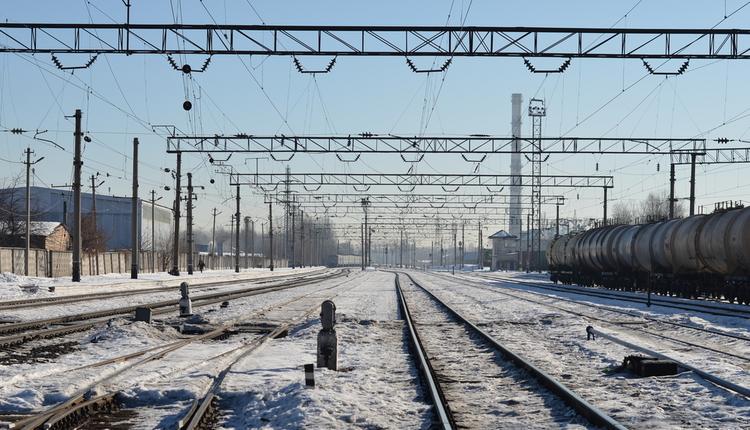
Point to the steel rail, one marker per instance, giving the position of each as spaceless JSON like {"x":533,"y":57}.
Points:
{"x":72,"y":298}
{"x":676,"y":324}
{"x":197,"y":412}
{"x":696,"y":307}
{"x":643,"y":330}
{"x":64,"y":409}
{"x":159,"y":307}
{"x":739,"y":389}
{"x":430,"y":377}
{"x":580,"y":405}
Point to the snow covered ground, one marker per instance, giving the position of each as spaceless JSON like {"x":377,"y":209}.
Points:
{"x":20,"y":287}
{"x":377,"y":385}
{"x":556,"y":341}
{"x":30,"y":386}
{"x":91,"y":305}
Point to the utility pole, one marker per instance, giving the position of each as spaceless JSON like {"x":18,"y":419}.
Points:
{"x":176,"y":238}
{"x":213,"y":240}
{"x":557,"y":220}
{"x":455,"y":232}
{"x":362,"y":244}
{"x":77,"y":199}
{"x":369,"y":248}
{"x":671,"y":191}
{"x":480,"y":262}
{"x":302,"y":237}
{"x":294,"y":257}
{"x":302,"y":234}
{"x":189,"y":225}
{"x":247,"y":230}
{"x":237,"y":233}
{"x":252,"y":241}
{"x":528,"y":242}
{"x":262,"y":245}
{"x":94,"y":186}
{"x":231,"y":239}
{"x":463,"y":243}
{"x":692,"y":183}
{"x":28,"y":164}
{"x":134,"y":216}
{"x":401,"y":250}
{"x":153,"y":231}
{"x":604,"y":220}
{"x":270,"y":231}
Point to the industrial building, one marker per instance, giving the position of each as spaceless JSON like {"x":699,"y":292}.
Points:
{"x":112,"y":214}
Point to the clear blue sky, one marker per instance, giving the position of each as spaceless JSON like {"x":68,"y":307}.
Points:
{"x":372,"y":94}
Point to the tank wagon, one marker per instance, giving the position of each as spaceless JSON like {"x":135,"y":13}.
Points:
{"x":701,"y":255}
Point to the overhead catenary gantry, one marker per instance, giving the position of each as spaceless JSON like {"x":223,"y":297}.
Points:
{"x":418,"y":210}
{"x":365,"y":143}
{"x":400,"y":200}
{"x":406,"y":181}
{"x":400,"y":41}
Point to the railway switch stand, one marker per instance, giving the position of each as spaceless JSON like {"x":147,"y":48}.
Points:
{"x":327,"y":341}
{"x":186,"y":306}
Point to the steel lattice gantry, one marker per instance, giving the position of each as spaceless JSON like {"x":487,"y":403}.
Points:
{"x":472,"y":144}
{"x":409,"y":181}
{"x":400,"y":200}
{"x":341,"y":211}
{"x":399,"y":41}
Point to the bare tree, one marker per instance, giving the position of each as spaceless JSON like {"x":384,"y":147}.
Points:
{"x":12,"y":213}
{"x":656,"y":207}
{"x":622,"y":213}
{"x":92,"y":238}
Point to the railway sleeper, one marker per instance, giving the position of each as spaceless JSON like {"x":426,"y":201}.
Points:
{"x":79,"y":413}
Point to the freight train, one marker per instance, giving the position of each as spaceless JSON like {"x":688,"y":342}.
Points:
{"x":698,"y":256}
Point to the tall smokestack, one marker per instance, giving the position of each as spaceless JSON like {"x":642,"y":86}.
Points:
{"x":514,"y":220}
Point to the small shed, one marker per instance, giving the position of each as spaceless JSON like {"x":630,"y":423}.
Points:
{"x":47,"y":235}
{"x":504,"y":251}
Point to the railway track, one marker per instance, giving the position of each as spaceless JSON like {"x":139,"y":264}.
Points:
{"x":695,"y":305}
{"x":475,"y":381}
{"x":104,"y":409}
{"x":612,"y":310}
{"x":38,"y":302}
{"x":66,"y":325}
{"x":551,"y":343}
{"x":662,"y":326}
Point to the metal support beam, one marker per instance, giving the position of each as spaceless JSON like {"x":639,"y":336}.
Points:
{"x":604,"y":218}
{"x":134,"y":218}
{"x":467,"y":144}
{"x":672,"y":198}
{"x":189,"y":224}
{"x":358,"y":40}
{"x":408,"y":181}
{"x":692,"y":185}
{"x":237,"y":233}
{"x":176,"y":237}
{"x":77,"y":163}
{"x":270,"y":231}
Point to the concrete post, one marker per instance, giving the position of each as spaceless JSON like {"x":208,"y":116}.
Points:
{"x":186,"y":306}
{"x":77,"y":163}
{"x":327,"y":340}
{"x":134,"y":220}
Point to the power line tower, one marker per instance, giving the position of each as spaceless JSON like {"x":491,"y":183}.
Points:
{"x":537,"y":111}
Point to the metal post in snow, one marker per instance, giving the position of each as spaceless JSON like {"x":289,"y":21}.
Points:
{"x":134,"y":255}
